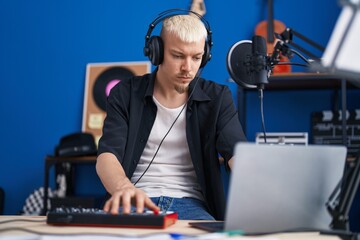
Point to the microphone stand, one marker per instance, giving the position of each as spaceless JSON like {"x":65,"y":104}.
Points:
{"x":286,"y":38}
{"x":341,"y":199}
{"x":340,"y":202}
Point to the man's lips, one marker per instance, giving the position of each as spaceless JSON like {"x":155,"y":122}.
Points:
{"x":182,"y":77}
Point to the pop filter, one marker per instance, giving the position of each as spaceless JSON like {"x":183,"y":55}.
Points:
{"x":247,"y":63}
{"x":238,"y":63}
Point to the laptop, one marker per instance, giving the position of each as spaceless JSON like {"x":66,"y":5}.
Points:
{"x":280,"y":188}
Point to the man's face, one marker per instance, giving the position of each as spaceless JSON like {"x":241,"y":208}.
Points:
{"x":181,"y":61}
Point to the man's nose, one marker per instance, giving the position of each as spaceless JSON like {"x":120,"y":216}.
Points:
{"x":186,"y":65}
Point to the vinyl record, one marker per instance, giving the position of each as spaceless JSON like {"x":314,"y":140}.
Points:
{"x":105,"y":81}
{"x":100,"y":79}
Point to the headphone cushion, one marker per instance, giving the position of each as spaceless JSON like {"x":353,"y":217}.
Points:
{"x":155,"y":47}
{"x":207,"y":55}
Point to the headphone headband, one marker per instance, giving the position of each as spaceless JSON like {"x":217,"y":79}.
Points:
{"x":154,"y":46}
{"x":172,"y":12}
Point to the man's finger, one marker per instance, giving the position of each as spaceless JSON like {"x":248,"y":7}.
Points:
{"x":151,"y":205}
{"x":115,"y":203}
{"x":126,"y":202}
{"x":139,"y":203}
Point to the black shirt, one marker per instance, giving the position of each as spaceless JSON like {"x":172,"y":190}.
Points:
{"x":212,"y":129}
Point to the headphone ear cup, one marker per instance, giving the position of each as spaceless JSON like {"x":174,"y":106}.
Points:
{"x":155,"y":50}
{"x":207,"y":55}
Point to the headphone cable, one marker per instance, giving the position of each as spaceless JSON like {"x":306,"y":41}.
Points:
{"x":197,"y":77}
{"x":261,"y":96}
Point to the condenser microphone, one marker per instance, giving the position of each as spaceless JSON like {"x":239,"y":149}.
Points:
{"x":260,"y":62}
{"x":248,"y":64}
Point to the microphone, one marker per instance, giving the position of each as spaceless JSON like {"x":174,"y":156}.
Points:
{"x":248,"y":63}
{"x":260,"y":64}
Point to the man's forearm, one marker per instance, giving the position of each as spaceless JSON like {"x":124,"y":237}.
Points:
{"x":111,"y":173}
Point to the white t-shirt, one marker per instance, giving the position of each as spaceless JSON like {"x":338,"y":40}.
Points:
{"x":172,"y":172}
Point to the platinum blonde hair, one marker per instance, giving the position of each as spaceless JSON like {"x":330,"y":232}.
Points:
{"x":188,"y":28}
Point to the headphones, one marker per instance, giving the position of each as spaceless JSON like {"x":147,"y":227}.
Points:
{"x":154,"y":46}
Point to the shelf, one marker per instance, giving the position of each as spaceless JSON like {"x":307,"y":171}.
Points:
{"x":298,"y":81}
{"x":304,"y":81}
{"x":53,"y":160}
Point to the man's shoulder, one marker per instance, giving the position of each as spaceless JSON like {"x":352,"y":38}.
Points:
{"x":134,"y":81}
{"x":210,"y":85}
{"x":138,"y":79}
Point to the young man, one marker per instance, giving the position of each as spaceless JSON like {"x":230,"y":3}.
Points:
{"x":164,"y":132}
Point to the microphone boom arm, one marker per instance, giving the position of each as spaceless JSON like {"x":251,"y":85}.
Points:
{"x":287,"y":37}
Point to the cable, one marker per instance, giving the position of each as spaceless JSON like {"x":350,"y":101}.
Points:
{"x":197,"y":77}
{"x":300,"y":55}
{"x":293,"y":64}
{"x":261,"y":96}
{"x":82,"y":234}
{"x":22,"y":220}
{"x":162,"y":140}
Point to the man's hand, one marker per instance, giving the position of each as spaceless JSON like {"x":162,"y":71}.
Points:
{"x":125,"y":197}
{"x":123,"y":192}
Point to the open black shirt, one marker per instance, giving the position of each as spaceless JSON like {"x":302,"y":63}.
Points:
{"x":212,"y":129}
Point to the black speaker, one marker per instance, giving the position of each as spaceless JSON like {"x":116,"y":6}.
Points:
{"x":154,"y":47}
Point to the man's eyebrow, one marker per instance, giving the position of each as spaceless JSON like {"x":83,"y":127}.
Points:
{"x":175,"y":51}
{"x":181,"y":53}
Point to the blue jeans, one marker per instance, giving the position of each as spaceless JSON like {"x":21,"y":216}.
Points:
{"x":187,"y":208}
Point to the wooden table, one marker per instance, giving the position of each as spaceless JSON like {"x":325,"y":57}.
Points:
{"x":21,"y":226}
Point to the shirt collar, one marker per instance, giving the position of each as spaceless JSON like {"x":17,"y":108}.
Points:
{"x":150,"y":87}
{"x":198,"y":93}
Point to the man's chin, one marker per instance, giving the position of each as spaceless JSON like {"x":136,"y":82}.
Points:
{"x":182,"y":88}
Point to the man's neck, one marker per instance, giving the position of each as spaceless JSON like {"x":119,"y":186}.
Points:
{"x":168,"y":96}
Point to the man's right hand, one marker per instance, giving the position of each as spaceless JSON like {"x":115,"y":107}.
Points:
{"x":123,"y":192}
{"x":127,"y":196}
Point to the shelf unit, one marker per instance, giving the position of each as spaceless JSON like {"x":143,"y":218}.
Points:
{"x":300,"y":81}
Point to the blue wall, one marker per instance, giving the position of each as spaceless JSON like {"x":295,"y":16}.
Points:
{"x":46,"y":44}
